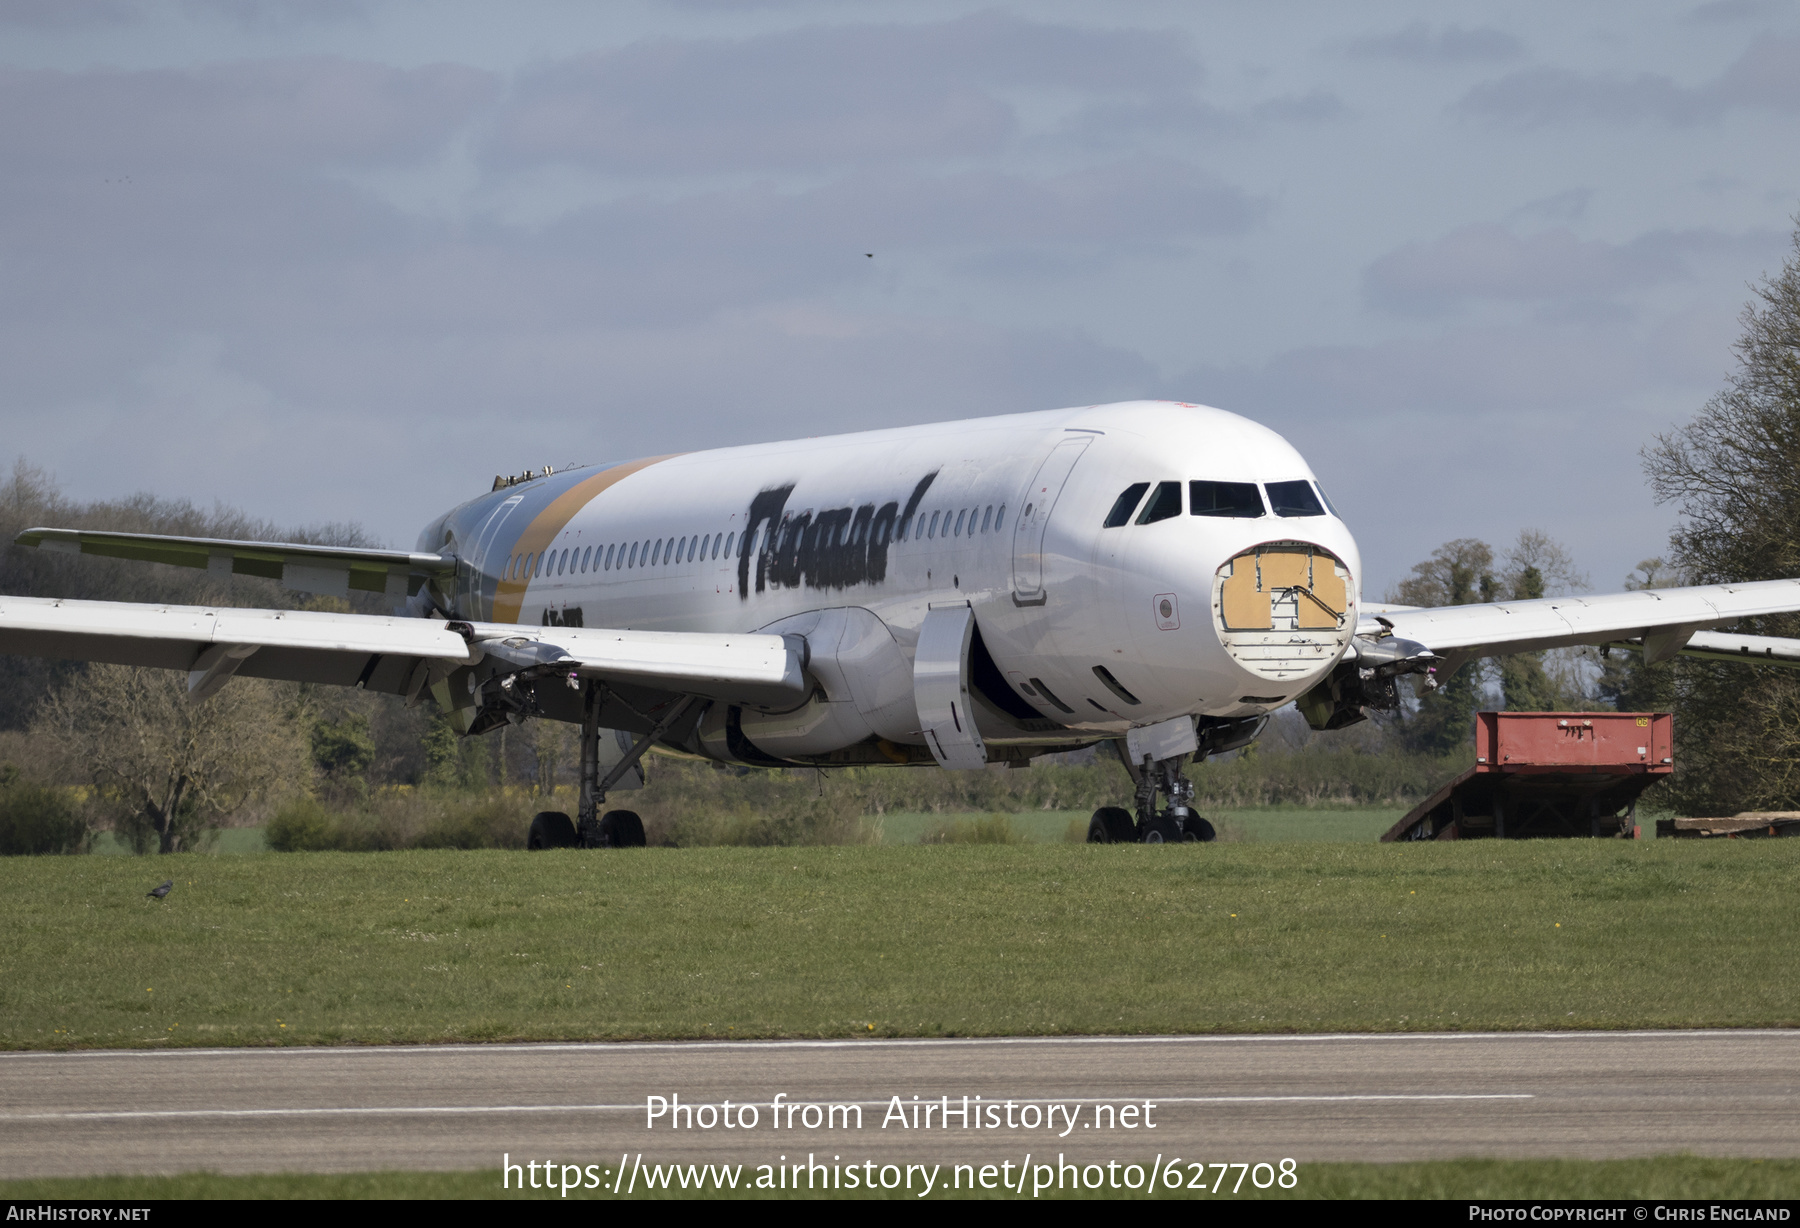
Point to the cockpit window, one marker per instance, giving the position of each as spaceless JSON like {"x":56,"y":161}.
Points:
{"x":1164,"y":502}
{"x":1294,"y":499}
{"x":1239,"y":499}
{"x":1326,"y":499}
{"x":1125,"y":505}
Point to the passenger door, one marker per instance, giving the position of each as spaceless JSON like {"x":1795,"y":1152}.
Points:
{"x":1033,"y":518}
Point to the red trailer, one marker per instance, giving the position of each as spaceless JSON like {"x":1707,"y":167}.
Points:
{"x":1549,"y":774}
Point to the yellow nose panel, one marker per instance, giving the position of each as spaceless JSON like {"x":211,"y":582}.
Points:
{"x":1283,"y":608}
{"x":1295,"y":585}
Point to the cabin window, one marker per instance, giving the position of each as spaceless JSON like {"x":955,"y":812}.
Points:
{"x":1124,"y":505}
{"x":729,"y":538}
{"x":656,"y":553}
{"x":587,"y":556}
{"x":512,"y":565}
{"x":606,"y":564}
{"x":1236,"y":499}
{"x":633,"y":560}
{"x":680,"y":547}
{"x":537,"y":565}
{"x":987,"y":518}
{"x":1164,"y":502}
{"x":999,"y":517}
{"x":959,"y":523}
{"x":718,"y":540}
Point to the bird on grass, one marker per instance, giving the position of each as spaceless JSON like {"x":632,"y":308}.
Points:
{"x":160,"y":892}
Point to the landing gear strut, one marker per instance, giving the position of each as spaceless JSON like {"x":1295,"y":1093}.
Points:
{"x":618,"y":828}
{"x":1174,"y":824}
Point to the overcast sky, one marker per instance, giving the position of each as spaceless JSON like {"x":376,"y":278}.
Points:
{"x":332,"y":260}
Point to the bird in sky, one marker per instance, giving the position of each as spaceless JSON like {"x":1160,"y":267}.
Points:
{"x":160,"y":892}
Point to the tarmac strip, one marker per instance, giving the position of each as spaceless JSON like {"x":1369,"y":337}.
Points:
{"x":1088,"y":1100}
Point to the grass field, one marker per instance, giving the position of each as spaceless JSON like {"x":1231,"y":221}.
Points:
{"x":1244,"y":826}
{"x":1033,"y":827}
{"x":1661,"y":1177}
{"x":230,"y":842}
{"x":923,"y":940}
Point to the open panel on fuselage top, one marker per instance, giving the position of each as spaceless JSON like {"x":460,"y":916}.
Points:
{"x":1282,"y":608}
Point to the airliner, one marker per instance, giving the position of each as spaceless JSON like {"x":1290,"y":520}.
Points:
{"x":1158,"y":577}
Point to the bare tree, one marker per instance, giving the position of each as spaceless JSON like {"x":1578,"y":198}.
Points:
{"x":170,"y":770}
{"x":1734,"y":475}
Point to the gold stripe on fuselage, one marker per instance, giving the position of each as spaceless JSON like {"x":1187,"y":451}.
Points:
{"x":548,"y":525}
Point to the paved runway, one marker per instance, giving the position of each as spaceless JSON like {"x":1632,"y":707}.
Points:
{"x":1216,"y":1099}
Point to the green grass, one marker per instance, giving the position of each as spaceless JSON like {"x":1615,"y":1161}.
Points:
{"x":1036,"y":826}
{"x":1662,"y":1177}
{"x":231,"y":842}
{"x":1261,"y":826}
{"x":925,"y":940}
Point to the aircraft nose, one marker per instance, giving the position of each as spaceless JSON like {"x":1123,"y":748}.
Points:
{"x":1284,"y":610}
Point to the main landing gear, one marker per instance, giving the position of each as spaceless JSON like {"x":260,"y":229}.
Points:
{"x":1175,"y":824}
{"x":616,"y":829}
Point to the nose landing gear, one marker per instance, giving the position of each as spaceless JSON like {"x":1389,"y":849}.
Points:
{"x":1177,"y":823}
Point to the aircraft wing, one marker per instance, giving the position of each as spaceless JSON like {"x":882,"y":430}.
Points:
{"x":1665,"y":620}
{"x":1744,"y":649}
{"x":328,"y":570}
{"x":398,"y":655}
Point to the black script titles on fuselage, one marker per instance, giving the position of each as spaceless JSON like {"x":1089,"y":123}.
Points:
{"x":834,"y":548}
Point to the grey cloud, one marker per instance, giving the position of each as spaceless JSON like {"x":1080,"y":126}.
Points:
{"x":1304,"y":108}
{"x":1565,"y":206}
{"x":1552,"y":95}
{"x":820,"y":95}
{"x":67,"y":14}
{"x":285,"y":113}
{"x":1723,"y":11}
{"x":246,"y":14}
{"x":1767,"y":75}
{"x":655,"y":259}
{"x":1488,"y":261}
{"x":1112,"y":124}
{"x":275,"y":15}
{"x":1420,"y":42}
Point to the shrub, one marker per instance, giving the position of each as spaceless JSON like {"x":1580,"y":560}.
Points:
{"x":424,"y":818}
{"x":983,"y":829}
{"x":302,"y":826}
{"x":35,"y":820}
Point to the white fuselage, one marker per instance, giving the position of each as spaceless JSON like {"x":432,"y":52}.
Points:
{"x":1006,"y":514}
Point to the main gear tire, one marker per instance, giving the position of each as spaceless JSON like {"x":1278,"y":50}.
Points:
{"x":1162,"y":830}
{"x":551,"y":829}
{"x":621,"y":829}
{"x":1197,"y":828}
{"x":1111,"y":825}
